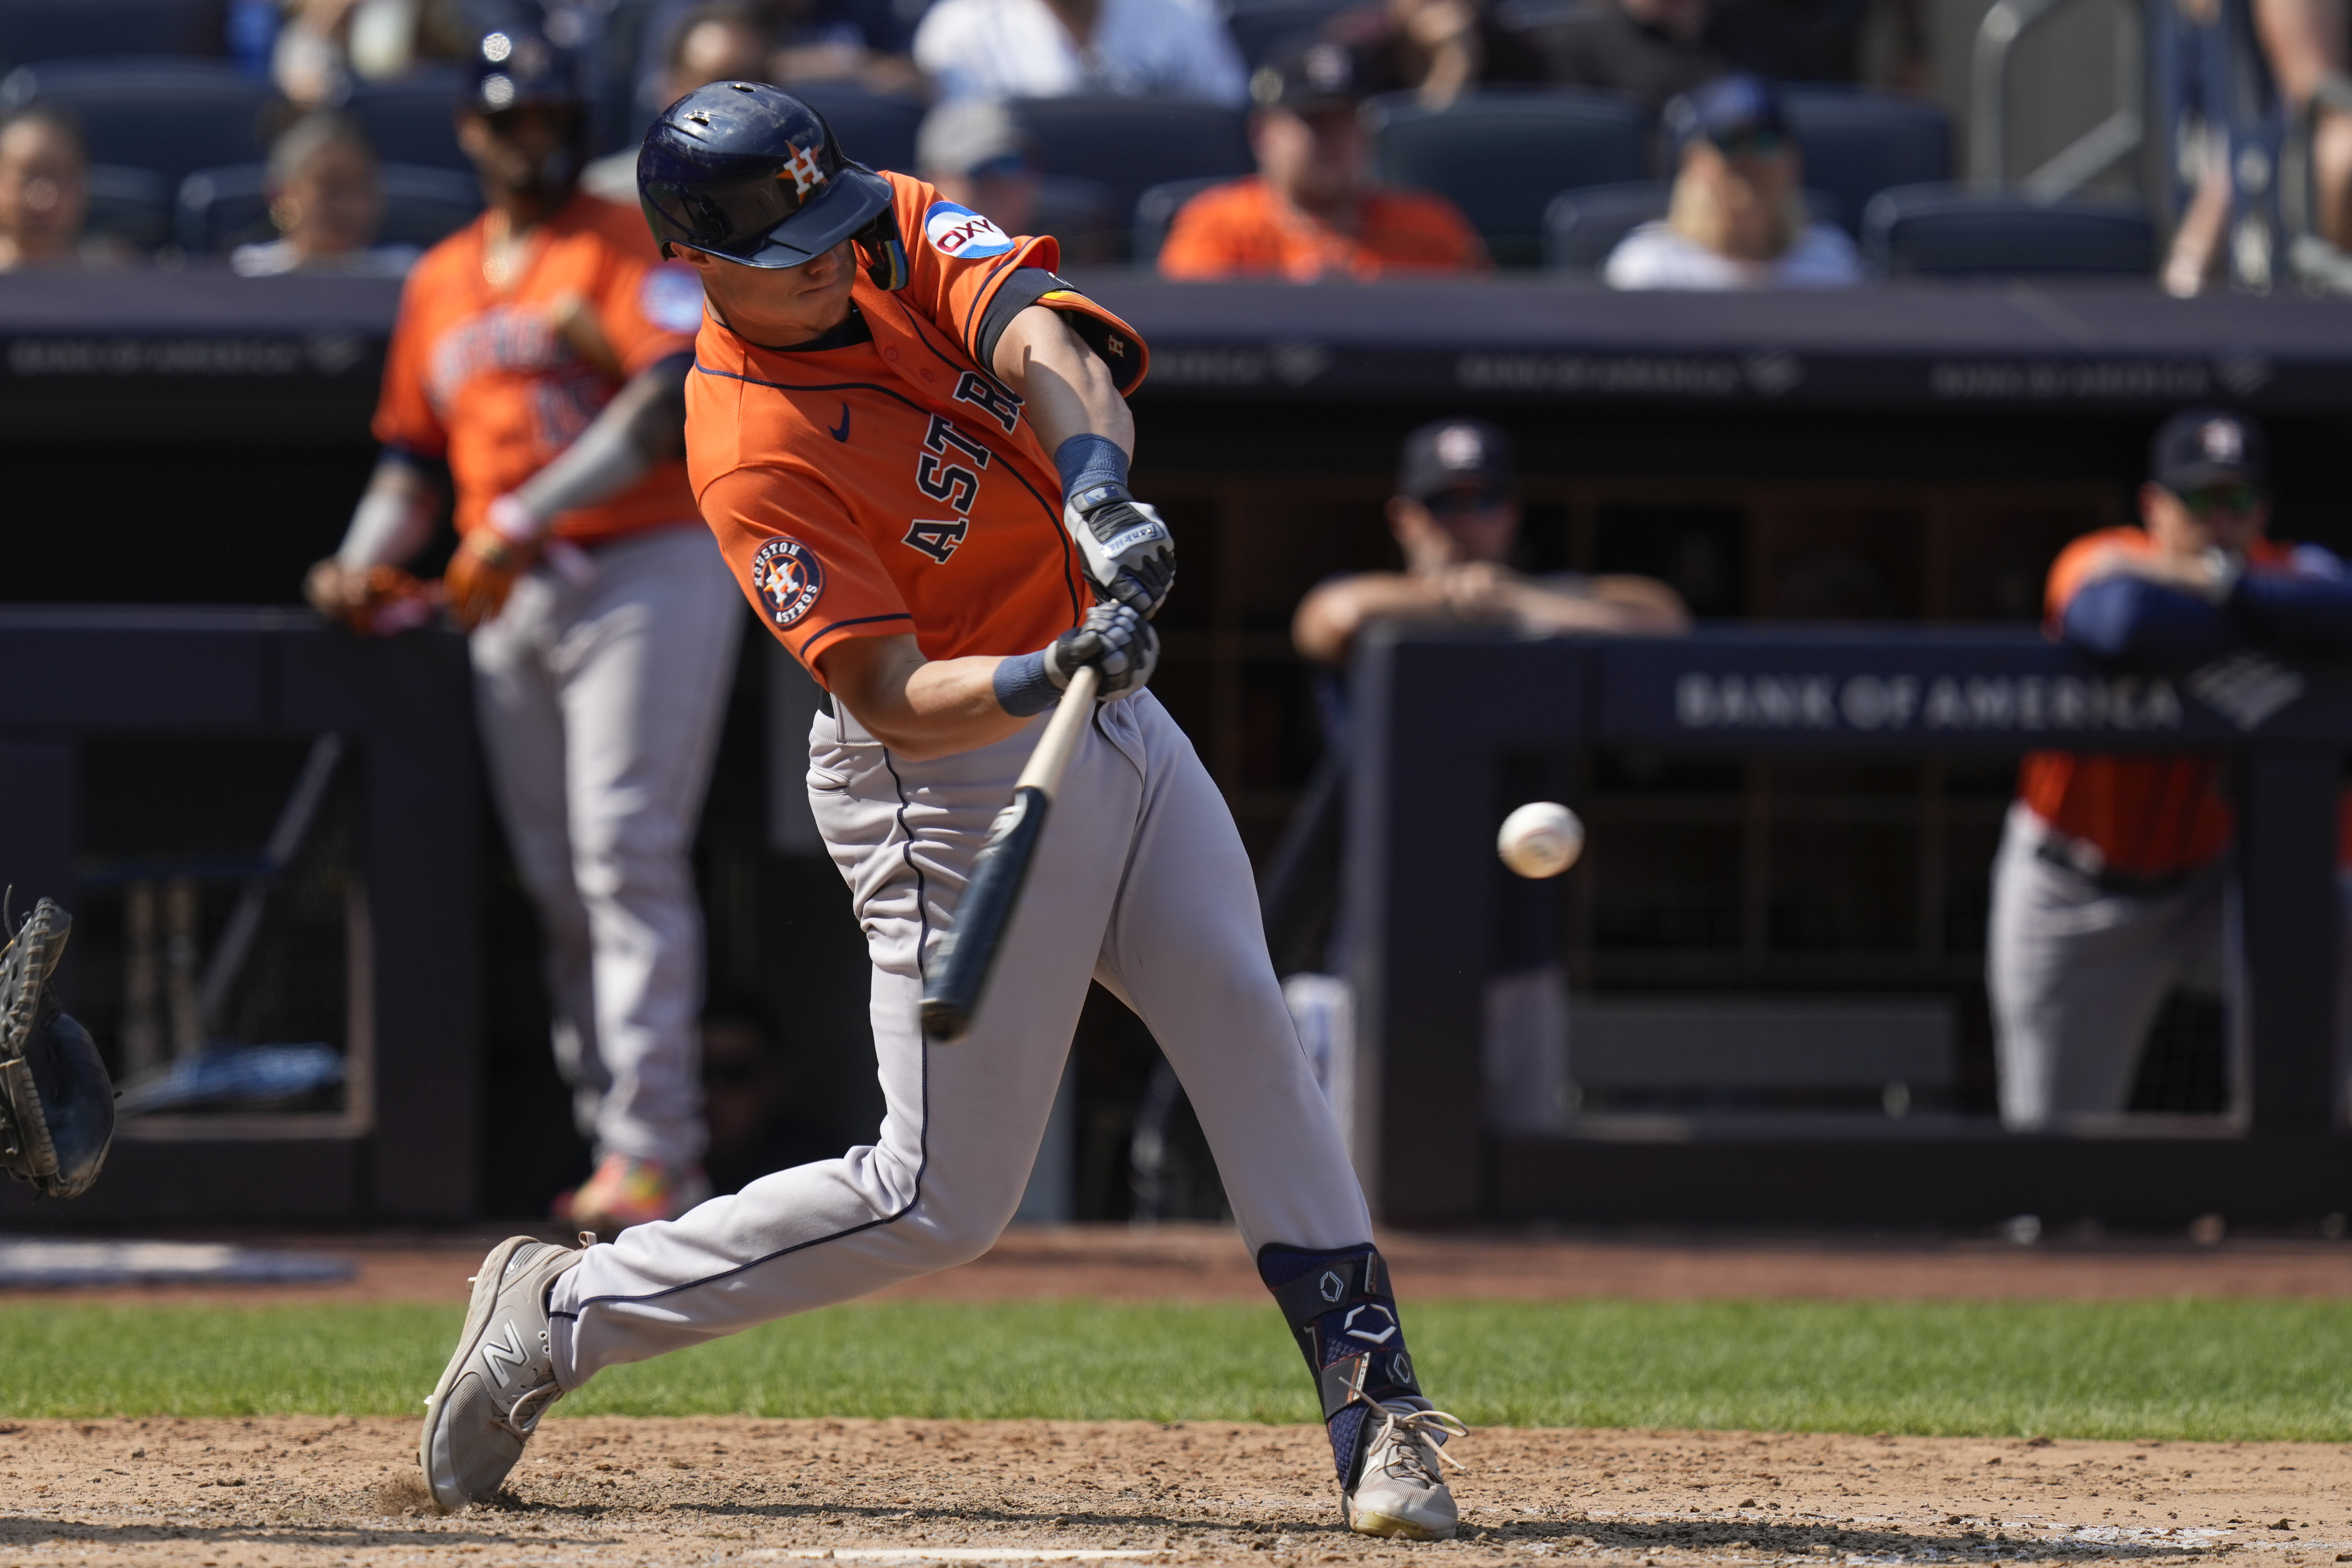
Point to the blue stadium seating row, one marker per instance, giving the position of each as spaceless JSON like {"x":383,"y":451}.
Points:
{"x":1505,"y":156}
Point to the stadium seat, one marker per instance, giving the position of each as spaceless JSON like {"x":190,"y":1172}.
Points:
{"x":221,"y":209}
{"x":1257,"y":28}
{"x":876,"y":129}
{"x":1582,"y":226}
{"x":34,"y":30}
{"x":134,"y":206}
{"x":1501,"y":156}
{"x":412,"y":121}
{"x":1952,"y":231}
{"x":184,"y":114}
{"x":1156,"y":210}
{"x":1857,"y":143}
{"x":1129,"y":144}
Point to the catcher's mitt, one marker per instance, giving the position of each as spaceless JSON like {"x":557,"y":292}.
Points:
{"x":57,"y":1104}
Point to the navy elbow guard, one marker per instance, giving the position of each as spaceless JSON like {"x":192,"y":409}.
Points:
{"x":1344,"y":1316}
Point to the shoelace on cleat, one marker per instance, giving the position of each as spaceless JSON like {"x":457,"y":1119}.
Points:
{"x":1414,"y":1453}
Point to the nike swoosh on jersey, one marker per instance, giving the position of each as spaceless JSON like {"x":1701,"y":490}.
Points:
{"x":841,"y":432}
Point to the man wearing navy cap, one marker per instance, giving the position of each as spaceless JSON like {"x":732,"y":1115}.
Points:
{"x":2111,"y":886}
{"x":1736,"y":219}
{"x":539,"y":359}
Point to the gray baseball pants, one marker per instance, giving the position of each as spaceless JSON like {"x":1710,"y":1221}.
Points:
{"x":1141,"y":883}
{"x":599,"y":705}
{"x":2077,"y":975}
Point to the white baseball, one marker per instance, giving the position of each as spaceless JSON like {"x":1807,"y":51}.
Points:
{"x":1542,"y":839}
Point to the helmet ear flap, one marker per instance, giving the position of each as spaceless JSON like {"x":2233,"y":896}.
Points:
{"x":884,"y":252}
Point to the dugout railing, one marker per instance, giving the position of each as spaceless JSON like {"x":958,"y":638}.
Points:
{"x":1440,"y":716}
{"x":197,"y":707}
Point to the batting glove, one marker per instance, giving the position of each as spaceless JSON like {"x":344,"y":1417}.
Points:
{"x":1115,"y":640}
{"x":1128,"y":552}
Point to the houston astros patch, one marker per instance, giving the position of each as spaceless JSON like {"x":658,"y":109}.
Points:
{"x":787,"y":579}
{"x":963,"y":234}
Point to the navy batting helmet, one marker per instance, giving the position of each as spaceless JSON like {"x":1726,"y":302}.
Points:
{"x":514,"y":66}
{"x":750,"y":173}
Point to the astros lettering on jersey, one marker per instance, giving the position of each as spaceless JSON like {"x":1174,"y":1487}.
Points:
{"x":492,"y":380}
{"x":892,"y":485}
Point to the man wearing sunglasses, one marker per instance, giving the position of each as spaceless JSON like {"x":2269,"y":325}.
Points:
{"x":2110,"y":887}
{"x":1455,"y":516}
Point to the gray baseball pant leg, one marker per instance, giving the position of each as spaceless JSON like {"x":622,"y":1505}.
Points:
{"x":2077,"y":976}
{"x":1139,"y":878}
{"x":599,"y":709}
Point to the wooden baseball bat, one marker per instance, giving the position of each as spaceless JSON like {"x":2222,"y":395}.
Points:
{"x":959,"y":975}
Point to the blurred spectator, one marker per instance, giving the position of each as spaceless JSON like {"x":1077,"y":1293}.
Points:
{"x":44,"y":194}
{"x":978,"y":157}
{"x":1435,"y":48}
{"x":1054,"y":48}
{"x":2249,"y":74}
{"x":325,"y":43}
{"x":1651,"y":50}
{"x":2305,"y":44}
{"x":1455,"y":516}
{"x":1738,"y":218}
{"x":867,"y":41}
{"x":327,"y":200}
{"x":745,"y":1101}
{"x":707,"y":44}
{"x":2111,"y":886}
{"x":1311,"y":210}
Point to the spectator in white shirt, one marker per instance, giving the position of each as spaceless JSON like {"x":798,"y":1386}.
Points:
{"x":1738,"y":218}
{"x":326,"y":198}
{"x":1054,"y":48}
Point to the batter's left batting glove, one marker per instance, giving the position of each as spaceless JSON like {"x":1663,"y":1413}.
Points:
{"x":1115,"y":640}
{"x":1130,"y":555}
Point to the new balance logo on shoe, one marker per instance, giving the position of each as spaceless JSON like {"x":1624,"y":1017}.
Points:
{"x":511,"y":1354}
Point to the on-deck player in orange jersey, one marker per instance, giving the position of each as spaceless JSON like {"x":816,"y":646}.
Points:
{"x":540,"y":353}
{"x":1312,"y":210}
{"x":911,"y":441}
{"x":2110,"y":885}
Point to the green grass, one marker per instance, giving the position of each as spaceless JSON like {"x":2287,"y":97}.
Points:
{"x":2183,"y":1369}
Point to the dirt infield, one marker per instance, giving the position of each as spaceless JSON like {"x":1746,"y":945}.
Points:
{"x":1197,"y":1262}
{"x":311,"y":1490}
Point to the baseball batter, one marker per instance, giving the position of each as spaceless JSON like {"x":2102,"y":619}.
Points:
{"x":2112,"y":884}
{"x":911,"y":441}
{"x":541,"y":353}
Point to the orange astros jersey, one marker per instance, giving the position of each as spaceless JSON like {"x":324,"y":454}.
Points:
{"x":497,"y":382}
{"x":2151,"y":817}
{"x":879,"y":482}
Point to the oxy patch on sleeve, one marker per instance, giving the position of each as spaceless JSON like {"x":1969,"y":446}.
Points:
{"x":961,"y":234}
{"x":788,"y":579}
{"x":671,"y":298}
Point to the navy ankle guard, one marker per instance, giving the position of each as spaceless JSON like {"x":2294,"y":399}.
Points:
{"x":1341,"y":1309}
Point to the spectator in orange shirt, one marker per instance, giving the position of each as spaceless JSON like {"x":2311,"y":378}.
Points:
{"x":1311,"y":211}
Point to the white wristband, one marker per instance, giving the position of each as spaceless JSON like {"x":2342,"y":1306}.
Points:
{"x":515,"y":522}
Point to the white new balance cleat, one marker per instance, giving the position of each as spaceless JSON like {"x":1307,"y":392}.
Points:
{"x":1400,"y":1490}
{"x":501,"y":1380}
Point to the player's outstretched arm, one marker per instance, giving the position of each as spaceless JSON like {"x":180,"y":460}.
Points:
{"x":645,"y":425}
{"x":393,"y":521}
{"x":1082,"y":420}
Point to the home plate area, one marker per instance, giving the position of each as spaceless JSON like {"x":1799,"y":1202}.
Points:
{"x":307,"y":1489}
